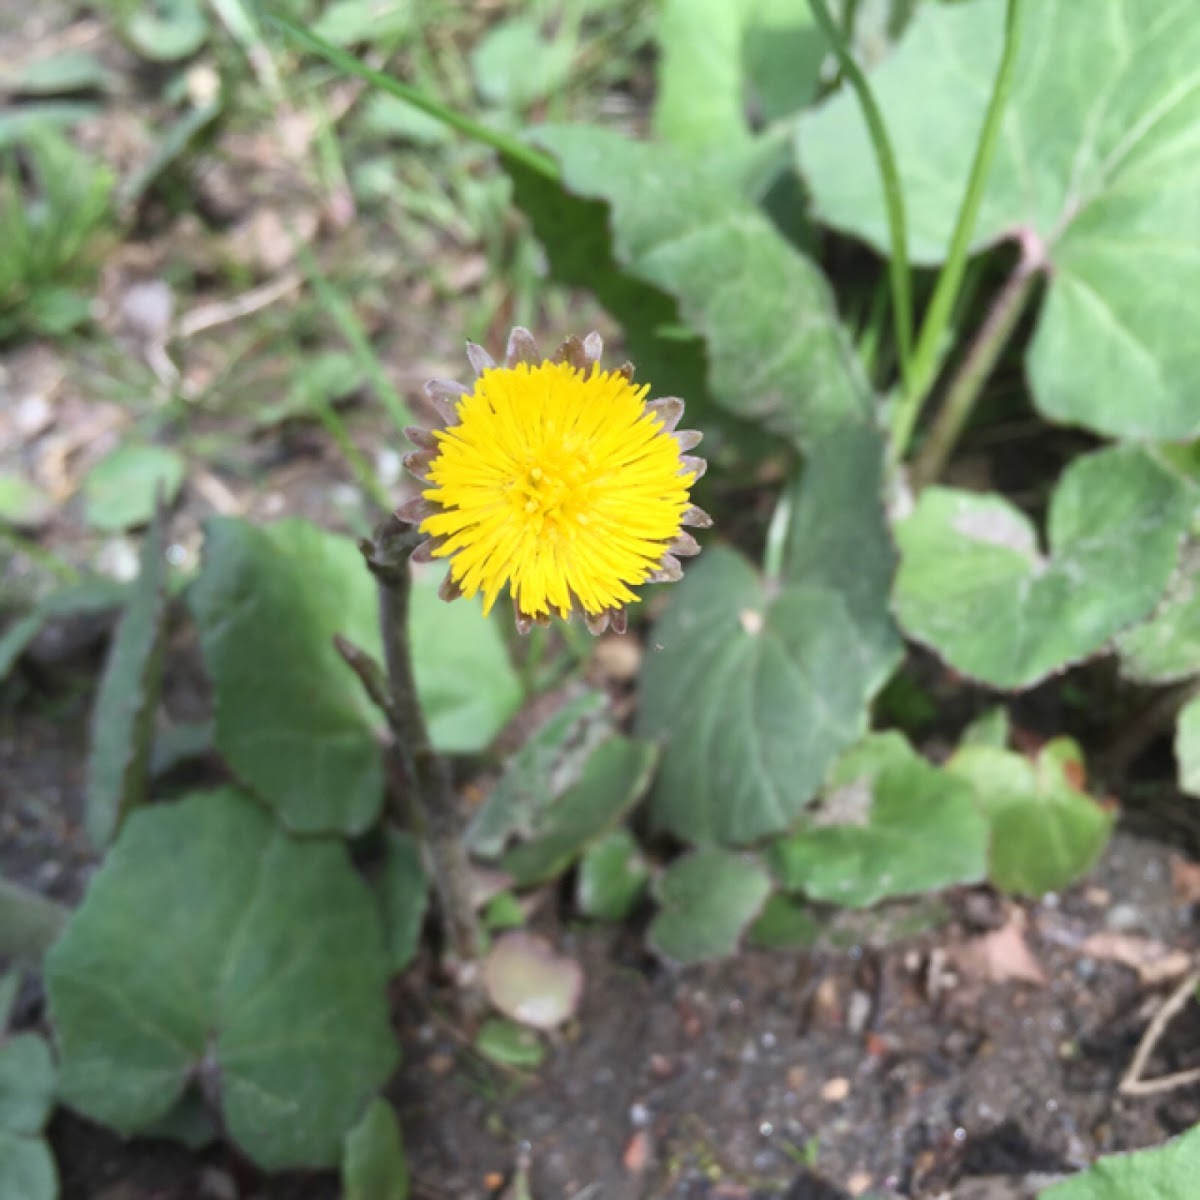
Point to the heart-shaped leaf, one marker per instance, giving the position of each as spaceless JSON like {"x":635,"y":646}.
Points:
{"x":974,"y":586}
{"x":757,"y":686}
{"x":1166,"y":648}
{"x":123,"y":714}
{"x":1096,"y":168}
{"x":613,"y":780}
{"x":1046,"y":832}
{"x":891,"y":825}
{"x":1162,"y":1172}
{"x":210,"y":943}
{"x":708,"y":899}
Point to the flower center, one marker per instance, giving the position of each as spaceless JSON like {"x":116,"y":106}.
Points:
{"x":554,"y":493}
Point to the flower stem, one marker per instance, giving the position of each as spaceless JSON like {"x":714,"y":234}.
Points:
{"x":927,"y":355}
{"x":437,"y":806}
{"x":893,"y":193}
{"x":976,"y":366}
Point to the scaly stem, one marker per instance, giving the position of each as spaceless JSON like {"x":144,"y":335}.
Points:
{"x":927,"y":355}
{"x":436,"y":804}
{"x":976,"y":366}
{"x":893,"y":193}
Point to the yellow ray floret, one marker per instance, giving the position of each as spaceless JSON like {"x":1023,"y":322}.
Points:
{"x":558,"y":484}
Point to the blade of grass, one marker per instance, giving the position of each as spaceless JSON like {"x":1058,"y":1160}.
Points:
{"x":893,"y":194}
{"x":502,"y":142}
{"x":343,"y":316}
{"x":927,"y":355}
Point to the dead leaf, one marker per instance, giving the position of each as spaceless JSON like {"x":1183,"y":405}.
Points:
{"x":999,"y":956}
{"x":1154,"y":962}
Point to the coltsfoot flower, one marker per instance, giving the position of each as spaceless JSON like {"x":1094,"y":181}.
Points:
{"x":556,"y":480}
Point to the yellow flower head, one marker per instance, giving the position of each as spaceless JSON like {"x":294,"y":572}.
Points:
{"x":557,"y":480}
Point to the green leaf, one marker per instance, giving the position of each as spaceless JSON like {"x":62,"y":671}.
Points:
{"x":27,"y":1169}
{"x":1187,"y":748}
{"x":783,"y":924}
{"x":708,"y":899}
{"x":350,"y":22}
{"x":1096,"y":169}
{"x":679,"y":224}
{"x":700,"y":102}
{"x":613,"y":780}
{"x":23,"y":503}
{"x":263,"y":970}
{"x":891,"y":825}
{"x":403,"y":891}
{"x":515,"y":66}
{"x":509,"y":1044}
{"x":1046,"y":833}
{"x":465,"y":680}
{"x":1166,"y":648}
{"x":291,"y":718}
{"x":990,"y":728}
{"x":88,"y":596}
{"x":58,"y":75}
{"x":123,"y":713}
{"x":782,"y":52}
{"x":1162,"y":1173}
{"x":974,"y":586}
{"x":757,"y":709}
{"x":373,"y":1165}
{"x":549,"y":761}
{"x":165,"y":30}
{"x":29,"y":923}
{"x":27,"y":1079}
{"x":612,"y":877}
{"x":119,"y":490}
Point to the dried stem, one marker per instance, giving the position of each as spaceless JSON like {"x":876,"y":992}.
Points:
{"x":1134,"y":1083}
{"x":968,"y":381}
{"x":426,"y":775}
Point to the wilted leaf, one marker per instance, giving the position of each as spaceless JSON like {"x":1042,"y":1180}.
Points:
{"x":120,"y":489}
{"x":893,"y":825}
{"x":975,"y":586}
{"x":373,"y":1165}
{"x":123,"y":713}
{"x":263,"y":969}
{"x":291,"y":719}
{"x":1096,"y":165}
{"x":529,"y":981}
{"x":548,"y":762}
{"x":1164,"y":1173}
{"x":708,"y":899}
{"x":613,"y":780}
{"x":1046,"y":833}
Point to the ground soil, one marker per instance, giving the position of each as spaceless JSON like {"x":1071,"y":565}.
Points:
{"x":871,"y":1064}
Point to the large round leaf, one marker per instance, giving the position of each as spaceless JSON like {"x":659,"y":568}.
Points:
{"x":211,"y":944}
{"x":1097,"y":167}
{"x":975,"y":587}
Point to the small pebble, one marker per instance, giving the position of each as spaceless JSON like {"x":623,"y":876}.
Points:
{"x":835,"y":1089}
